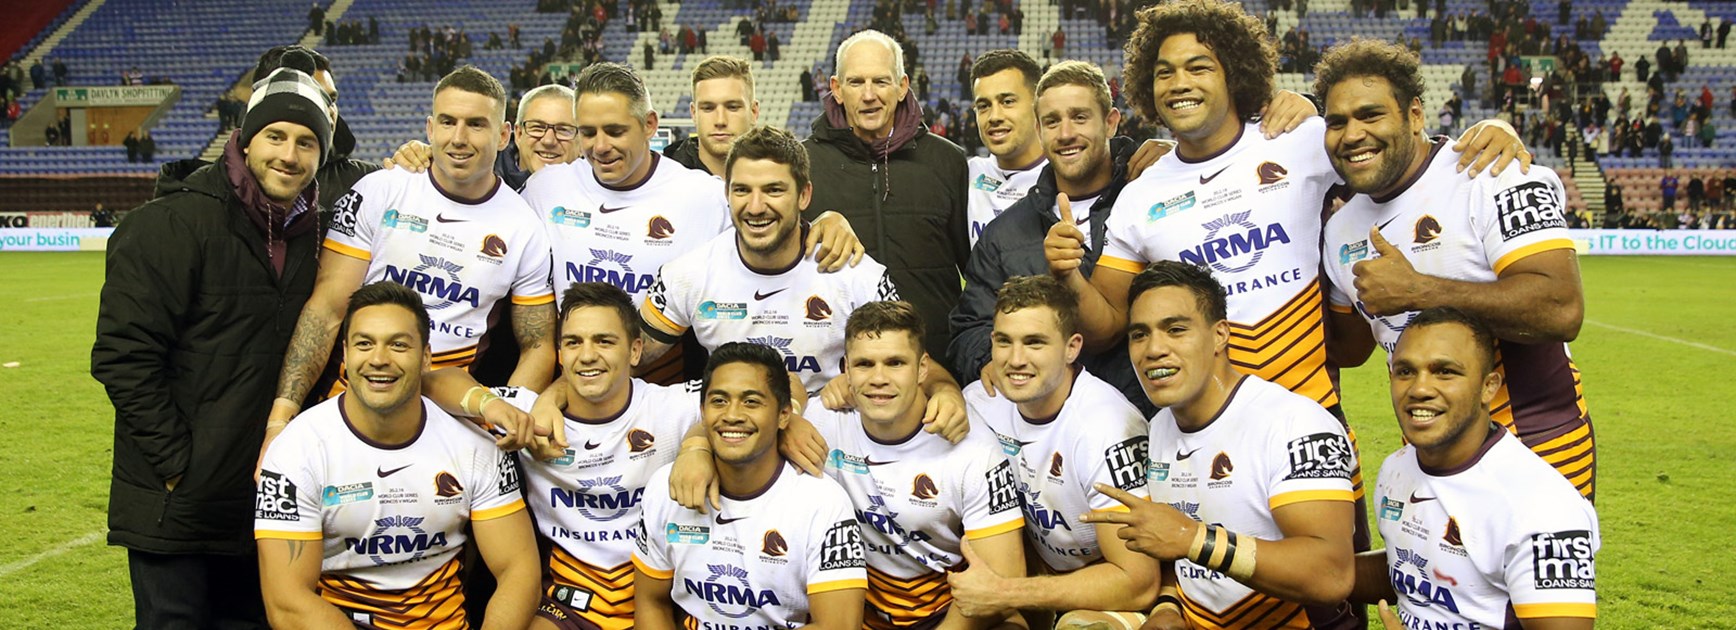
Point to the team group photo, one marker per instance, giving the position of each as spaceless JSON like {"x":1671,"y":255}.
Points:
{"x":747,"y":314}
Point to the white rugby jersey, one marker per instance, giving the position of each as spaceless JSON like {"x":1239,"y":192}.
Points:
{"x":797,"y":310}
{"x":391,"y":518}
{"x":754,"y":563}
{"x":622,"y":236}
{"x":1266,"y":449}
{"x":1098,"y":437}
{"x":1251,"y":214}
{"x":1499,"y":539}
{"x":994,"y":189}
{"x":1471,"y":229}
{"x":462,"y":257}
{"x":587,"y":501}
{"x":916,"y":500}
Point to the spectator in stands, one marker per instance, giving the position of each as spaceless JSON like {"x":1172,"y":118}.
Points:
{"x":187,"y":354}
{"x":102,"y":217}
{"x":1696,"y":192}
{"x":1059,"y":42}
{"x":1723,"y":31}
{"x":62,"y":76}
{"x":1643,"y":68}
{"x":1667,"y":186}
{"x":132,"y":144}
{"x":1680,"y":58}
{"x":902,"y":189}
{"x":38,"y":75}
{"x":1612,"y":196}
{"x":1714,"y":192}
{"x":316,"y":19}
{"x":64,"y":126}
{"x":1666,"y":148}
{"x":773,"y":46}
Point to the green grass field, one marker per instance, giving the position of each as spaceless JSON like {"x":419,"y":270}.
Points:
{"x":1657,"y":331}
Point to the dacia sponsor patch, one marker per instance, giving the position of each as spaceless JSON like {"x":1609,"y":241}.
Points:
{"x":1352,"y":252}
{"x":1127,"y":462}
{"x":570,"y":216}
{"x":1527,"y":208}
{"x":1391,"y":510}
{"x":1319,"y":456}
{"x":1157,"y":472}
{"x":1003,"y":490}
{"x":722,"y":310}
{"x":345,"y":213}
{"x":276,"y":498}
{"x":842,"y":548}
{"x":334,"y":496}
{"x":1174,"y":205}
{"x":1563,"y":560}
{"x":678,"y":534}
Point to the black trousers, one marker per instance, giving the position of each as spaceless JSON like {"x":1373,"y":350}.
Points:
{"x":195,"y":591}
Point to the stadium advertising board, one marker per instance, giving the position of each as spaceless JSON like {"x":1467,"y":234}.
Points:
{"x":1655,"y":242}
{"x":54,"y":239}
{"x":116,"y":96}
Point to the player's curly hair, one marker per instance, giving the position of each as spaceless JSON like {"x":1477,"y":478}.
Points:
{"x":1362,"y":57}
{"x":1244,"y":49}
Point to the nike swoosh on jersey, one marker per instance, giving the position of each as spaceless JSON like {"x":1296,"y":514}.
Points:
{"x":591,"y":446}
{"x":1387,"y":223}
{"x":442,"y":218}
{"x":760,"y":296}
{"x":725,"y":521}
{"x":1181,"y":456}
{"x":870,"y":461}
{"x":602,"y":209}
{"x":1416,"y":499}
{"x":1207,"y":179}
{"x":383,"y":473}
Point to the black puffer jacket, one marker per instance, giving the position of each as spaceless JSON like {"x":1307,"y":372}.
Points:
{"x":906,"y":201}
{"x":686,"y":153}
{"x":190,"y":335}
{"x":1012,"y":245}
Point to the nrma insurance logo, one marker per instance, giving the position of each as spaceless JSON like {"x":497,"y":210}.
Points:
{"x":597,"y":499}
{"x":727,"y":591}
{"x":792,"y":361}
{"x":397,"y":539}
{"x":436,"y":278}
{"x":1234,"y":243}
{"x":610,"y":266}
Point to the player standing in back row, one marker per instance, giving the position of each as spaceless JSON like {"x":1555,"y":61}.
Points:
{"x":1417,"y":235}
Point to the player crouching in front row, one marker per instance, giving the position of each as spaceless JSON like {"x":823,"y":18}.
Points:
{"x":1251,"y":502}
{"x":1480,"y":531}
{"x":381,"y":484}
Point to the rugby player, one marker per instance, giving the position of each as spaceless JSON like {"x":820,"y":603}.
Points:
{"x":1417,"y":235}
{"x":385,"y":486}
{"x":918,"y":497}
{"x":783,"y":552}
{"x":1251,"y":505}
{"x":1468,"y":545}
{"x":453,"y":235}
{"x":1003,"y":86}
{"x":753,"y":283}
{"x":1245,"y":202}
{"x":623,"y":212}
{"x":586,"y":497}
{"x":1066,"y":434}
{"x":723,"y":108}
{"x":542,"y":134}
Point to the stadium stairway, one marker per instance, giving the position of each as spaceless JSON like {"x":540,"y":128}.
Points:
{"x":59,"y":33}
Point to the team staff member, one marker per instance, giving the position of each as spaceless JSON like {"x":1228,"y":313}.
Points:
{"x":1418,"y":235}
{"x":367,"y":501}
{"x":455,"y":235}
{"x":1065,"y":434}
{"x":202,"y":287}
{"x":902,"y":189}
{"x":784,"y":550}
{"x":1251,"y":506}
{"x":1466,"y":546}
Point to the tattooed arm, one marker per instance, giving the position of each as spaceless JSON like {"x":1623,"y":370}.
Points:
{"x":339,"y":276}
{"x":289,"y":581}
{"x":534,"y":327}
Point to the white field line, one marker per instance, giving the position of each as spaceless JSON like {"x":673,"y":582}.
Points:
{"x":62,"y":548}
{"x":1691,"y":344}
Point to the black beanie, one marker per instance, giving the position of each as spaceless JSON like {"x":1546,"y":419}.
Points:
{"x":289,"y":94}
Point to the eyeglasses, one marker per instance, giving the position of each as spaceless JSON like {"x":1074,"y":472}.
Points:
{"x":538,"y":130}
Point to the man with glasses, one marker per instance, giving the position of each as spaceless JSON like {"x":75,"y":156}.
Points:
{"x":543,"y":135}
